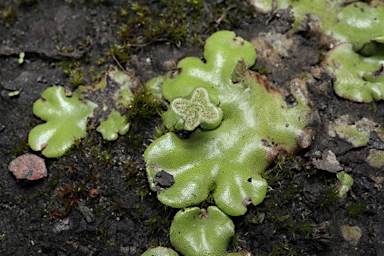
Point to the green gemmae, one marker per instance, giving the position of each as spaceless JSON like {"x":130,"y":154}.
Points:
{"x":197,"y":110}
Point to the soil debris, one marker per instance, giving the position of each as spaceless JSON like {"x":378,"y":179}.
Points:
{"x":328,"y":162}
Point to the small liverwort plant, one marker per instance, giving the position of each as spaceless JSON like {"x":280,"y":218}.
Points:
{"x":236,"y":122}
{"x":113,"y":126}
{"x":196,"y":231}
{"x":346,"y":182}
{"x":66,"y":121}
{"x":67,"y":114}
{"x":160,"y":251}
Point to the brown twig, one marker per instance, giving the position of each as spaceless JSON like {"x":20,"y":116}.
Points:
{"x":224,"y":14}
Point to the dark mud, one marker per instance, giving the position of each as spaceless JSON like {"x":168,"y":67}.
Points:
{"x":64,"y":214}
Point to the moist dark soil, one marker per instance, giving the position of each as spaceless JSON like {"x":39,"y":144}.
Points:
{"x":96,"y":200}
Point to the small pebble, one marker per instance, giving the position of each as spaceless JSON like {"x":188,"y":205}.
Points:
{"x":41,"y":79}
{"x":93,"y":193}
{"x":93,"y":12}
{"x":28,"y":166}
{"x":87,"y":213}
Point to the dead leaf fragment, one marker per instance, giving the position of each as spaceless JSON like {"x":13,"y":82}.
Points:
{"x":351,"y":234}
{"x":378,"y":181}
{"x":328,"y":162}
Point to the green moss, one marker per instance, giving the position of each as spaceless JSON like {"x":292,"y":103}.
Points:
{"x":144,"y":106}
{"x":305,"y":228}
{"x":26,"y":2}
{"x":54,"y":181}
{"x":328,"y":199}
{"x":282,"y":248}
{"x":138,"y":211}
{"x":261,"y":70}
{"x":163,"y":21}
{"x":103,"y":155}
{"x":20,"y":147}
{"x":97,"y":210}
{"x":355,"y":209}
{"x":160,"y":222}
{"x":279,"y":170}
{"x":73,"y":69}
{"x":310,"y":172}
{"x":173,"y":22}
{"x":142,"y":192}
{"x":119,"y":53}
{"x":76,"y":76}
{"x":101,"y":232}
{"x":8,"y":15}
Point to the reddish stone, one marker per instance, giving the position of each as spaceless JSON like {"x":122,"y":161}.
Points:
{"x":28,"y":166}
{"x":94,"y":192}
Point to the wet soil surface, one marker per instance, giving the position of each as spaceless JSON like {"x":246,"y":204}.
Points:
{"x":96,"y":200}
